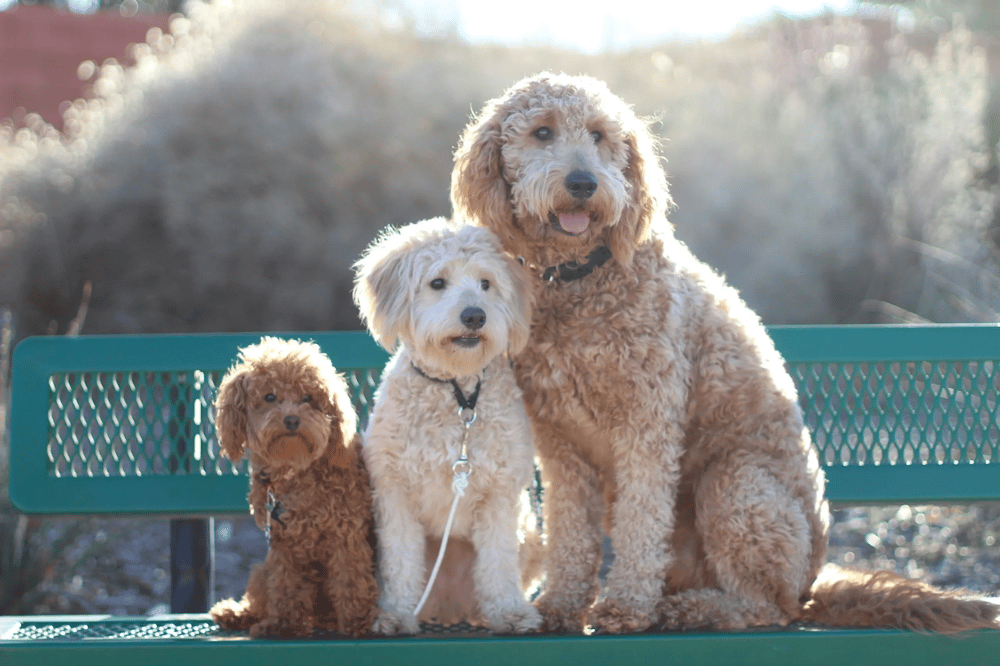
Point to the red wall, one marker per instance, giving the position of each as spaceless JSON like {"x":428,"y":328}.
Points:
{"x":41,"y":48}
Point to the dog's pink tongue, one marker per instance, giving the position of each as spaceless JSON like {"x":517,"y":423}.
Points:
{"x":574,"y":223}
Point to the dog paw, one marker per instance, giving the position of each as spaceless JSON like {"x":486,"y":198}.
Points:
{"x":392,"y":623}
{"x":233,"y":615}
{"x":519,"y":619}
{"x":559,"y":618}
{"x":611,"y":617}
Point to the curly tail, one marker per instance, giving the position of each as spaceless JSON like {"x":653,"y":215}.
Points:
{"x":884,"y":599}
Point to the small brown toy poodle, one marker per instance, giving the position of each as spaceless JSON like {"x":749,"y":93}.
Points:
{"x":286,"y":407}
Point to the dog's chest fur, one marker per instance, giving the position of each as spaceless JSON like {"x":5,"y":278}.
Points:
{"x":415,"y":436}
{"x":606,"y":348}
{"x":311,"y":509}
{"x":660,"y":341}
{"x":592,"y":340}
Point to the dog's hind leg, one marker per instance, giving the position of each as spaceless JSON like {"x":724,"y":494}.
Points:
{"x":241,"y":615}
{"x":757,"y":540}
{"x":715,"y":609}
{"x":233,"y":615}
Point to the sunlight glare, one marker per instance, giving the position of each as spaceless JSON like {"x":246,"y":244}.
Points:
{"x":595,"y":26}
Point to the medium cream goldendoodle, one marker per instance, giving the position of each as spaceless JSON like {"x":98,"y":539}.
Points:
{"x":458,"y":306}
{"x":659,"y":402}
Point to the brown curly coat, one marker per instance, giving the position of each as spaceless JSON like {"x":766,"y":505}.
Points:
{"x":658,"y":400}
{"x":285,"y":405}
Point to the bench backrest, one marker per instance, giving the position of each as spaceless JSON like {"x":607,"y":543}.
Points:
{"x":122,"y":424}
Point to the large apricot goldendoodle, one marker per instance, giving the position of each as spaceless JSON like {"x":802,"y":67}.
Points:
{"x":659,"y":402}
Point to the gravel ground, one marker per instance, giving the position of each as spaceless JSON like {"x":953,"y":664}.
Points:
{"x":122,"y":566}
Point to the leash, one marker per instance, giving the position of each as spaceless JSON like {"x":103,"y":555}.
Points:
{"x":461,"y":469}
{"x":271,"y":505}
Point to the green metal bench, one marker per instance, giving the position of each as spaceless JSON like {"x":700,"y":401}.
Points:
{"x":121,"y":425}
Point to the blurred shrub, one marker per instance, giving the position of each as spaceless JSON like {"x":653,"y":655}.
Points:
{"x":230,"y":178}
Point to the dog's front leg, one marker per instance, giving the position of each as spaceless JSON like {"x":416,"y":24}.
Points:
{"x":287,"y":595}
{"x":351,"y":586}
{"x":401,"y":560}
{"x":647,"y":471}
{"x":497,"y":572}
{"x":572,"y":511}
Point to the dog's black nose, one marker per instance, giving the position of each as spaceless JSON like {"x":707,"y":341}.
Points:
{"x":292,"y":423}
{"x":473,"y":318}
{"x":581,"y":184}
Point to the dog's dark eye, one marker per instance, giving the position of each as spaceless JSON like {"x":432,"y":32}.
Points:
{"x":543,"y":133}
{"x":437,"y":283}
{"x":270,"y":397}
{"x":307,"y":398}
{"x":596,"y":136}
{"x":485,"y":284}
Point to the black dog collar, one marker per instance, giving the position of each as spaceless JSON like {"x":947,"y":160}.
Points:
{"x":463,"y":402}
{"x":572,"y":270}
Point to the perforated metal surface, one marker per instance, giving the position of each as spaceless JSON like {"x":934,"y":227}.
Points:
{"x":935,"y":413}
{"x":135,"y":424}
{"x":898,"y":414}
{"x":787,"y":646}
{"x":147,"y":423}
{"x":139,"y":629}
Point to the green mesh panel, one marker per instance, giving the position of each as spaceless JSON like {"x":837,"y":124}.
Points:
{"x":143,"y":423}
{"x":362,"y":383}
{"x":147,"y":423}
{"x":897,"y":414}
{"x":901,"y":413}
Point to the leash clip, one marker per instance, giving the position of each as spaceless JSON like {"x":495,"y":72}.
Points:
{"x":269,"y":506}
{"x":462,"y":467}
{"x":468,"y":416}
{"x":274,"y":510}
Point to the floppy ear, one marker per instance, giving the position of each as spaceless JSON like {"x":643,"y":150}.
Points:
{"x":231,"y":412}
{"x":381,"y":290}
{"x":522,"y":305}
{"x":336,"y":449}
{"x":649,"y":196}
{"x":343,"y":420}
{"x":479,"y":193}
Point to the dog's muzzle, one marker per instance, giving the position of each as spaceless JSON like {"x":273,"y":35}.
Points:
{"x":473,"y":318}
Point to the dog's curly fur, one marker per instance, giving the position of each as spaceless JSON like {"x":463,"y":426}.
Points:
{"x":286,"y":407}
{"x":419,"y":286}
{"x":658,"y":400}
